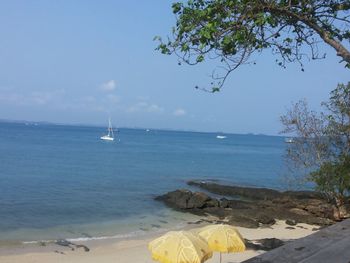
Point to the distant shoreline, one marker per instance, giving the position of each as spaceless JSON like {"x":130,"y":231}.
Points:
{"x":102,"y":125}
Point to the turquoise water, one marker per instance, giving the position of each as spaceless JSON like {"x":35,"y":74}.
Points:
{"x":61,"y":181}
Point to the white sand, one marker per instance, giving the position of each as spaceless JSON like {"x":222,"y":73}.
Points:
{"x":127,"y":251}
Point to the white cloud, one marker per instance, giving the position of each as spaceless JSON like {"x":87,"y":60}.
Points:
{"x":108,"y":86}
{"x":145,"y":107}
{"x":179,"y":112}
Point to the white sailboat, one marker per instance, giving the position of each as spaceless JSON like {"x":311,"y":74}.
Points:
{"x":289,"y":140}
{"x":110,"y":135}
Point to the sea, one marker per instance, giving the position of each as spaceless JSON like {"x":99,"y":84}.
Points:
{"x":63,"y":182}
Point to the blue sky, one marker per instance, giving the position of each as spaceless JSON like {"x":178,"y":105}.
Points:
{"x":81,"y":61}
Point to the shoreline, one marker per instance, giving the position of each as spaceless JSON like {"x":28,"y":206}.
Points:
{"x":264,"y":219}
{"x":181,"y":221}
{"x":135,"y":249}
{"x":118,"y":229}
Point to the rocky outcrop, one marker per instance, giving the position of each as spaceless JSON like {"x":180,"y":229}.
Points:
{"x":235,"y":191}
{"x":185,"y":199}
{"x":260,"y":209}
{"x":253,"y":192}
{"x":242,"y":221}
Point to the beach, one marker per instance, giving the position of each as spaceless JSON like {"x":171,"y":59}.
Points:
{"x":102,"y":196}
{"x":135,"y":249}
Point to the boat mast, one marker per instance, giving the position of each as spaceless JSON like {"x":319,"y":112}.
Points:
{"x":110,"y":128}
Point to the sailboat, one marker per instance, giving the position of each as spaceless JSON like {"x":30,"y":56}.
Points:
{"x":110,"y":135}
{"x":289,"y":140}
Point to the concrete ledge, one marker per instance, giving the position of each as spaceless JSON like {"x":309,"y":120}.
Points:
{"x":331,"y":244}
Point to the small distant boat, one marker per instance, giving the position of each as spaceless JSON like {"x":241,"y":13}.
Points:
{"x":147,"y":130}
{"x":288,"y":140}
{"x":221,"y":137}
{"x":110,"y":135}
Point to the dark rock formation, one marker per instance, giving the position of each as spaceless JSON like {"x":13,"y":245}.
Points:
{"x":265,"y":219}
{"x":261,"y":207}
{"x":184,"y":199}
{"x":63,"y":242}
{"x":291,"y":222}
{"x":234,"y":204}
{"x":270,"y":243}
{"x":264,"y":244}
{"x":237,"y":191}
{"x":86,"y":249}
{"x":66,"y":243}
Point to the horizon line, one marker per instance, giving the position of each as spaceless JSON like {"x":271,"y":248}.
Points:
{"x":21,"y":121}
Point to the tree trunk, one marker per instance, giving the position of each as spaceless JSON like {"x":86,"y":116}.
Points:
{"x":324,"y":35}
{"x":343,"y":209}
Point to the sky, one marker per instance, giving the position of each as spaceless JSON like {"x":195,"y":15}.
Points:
{"x":79,"y":62}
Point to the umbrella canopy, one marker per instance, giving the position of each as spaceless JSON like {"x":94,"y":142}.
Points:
{"x":222,"y":238}
{"x":180,"y":247}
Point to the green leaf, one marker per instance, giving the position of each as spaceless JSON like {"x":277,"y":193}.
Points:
{"x":200,"y":58}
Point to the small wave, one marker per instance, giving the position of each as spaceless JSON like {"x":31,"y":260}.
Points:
{"x":37,"y":241}
{"x":119,"y":236}
{"x":83,"y":239}
{"x":181,"y":223}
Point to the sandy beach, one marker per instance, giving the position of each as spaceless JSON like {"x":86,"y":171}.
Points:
{"x":135,"y":250}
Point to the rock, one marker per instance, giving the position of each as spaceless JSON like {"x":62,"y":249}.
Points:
{"x":224,"y":202}
{"x":290,"y":227}
{"x":238,"y":204}
{"x":251,"y":245}
{"x":265,"y":219}
{"x":212,"y":203}
{"x":264,"y":244}
{"x":318,"y":221}
{"x":216,"y":211}
{"x":177,"y":199}
{"x":291,"y":222}
{"x":197,"y":200}
{"x":299,"y":211}
{"x":226,"y":190}
{"x":321,"y":210}
{"x":242,"y":221}
{"x":286,"y":202}
{"x":262,"y":206}
{"x":63,"y":242}
{"x":271,"y":243}
{"x":86,"y":249}
{"x":185,"y":199}
{"x":303,"y":194}
{"x":195,"y":223}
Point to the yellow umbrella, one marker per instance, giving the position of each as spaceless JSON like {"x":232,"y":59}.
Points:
{"x":222,"y":238}
{"x":180,"y":247}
